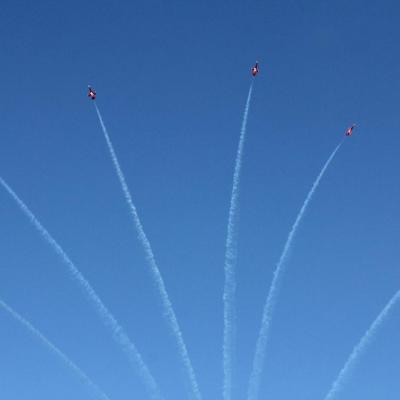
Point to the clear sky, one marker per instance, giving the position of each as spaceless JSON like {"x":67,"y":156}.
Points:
{"x":172,"y":80}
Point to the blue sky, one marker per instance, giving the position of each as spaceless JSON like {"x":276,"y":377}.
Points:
{"x":172,"y":79}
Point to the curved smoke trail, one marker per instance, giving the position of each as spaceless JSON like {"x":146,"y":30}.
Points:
{"x":97,"y":392}
{"x":254,"y":383}
{"x":119,"y":335}
{"x":231,"y":260}
{"x":361,"y":346}
{"x":168,"y":309}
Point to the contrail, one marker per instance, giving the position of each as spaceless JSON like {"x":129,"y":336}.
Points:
{"x":166,"y":302}
{"x":231,"y":260}
{"x":255,"y":377}
{"x":96,"y":391}
{"x":118,"y":333}
{"x":361,"y":347}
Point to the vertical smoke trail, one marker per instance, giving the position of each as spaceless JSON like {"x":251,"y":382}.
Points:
{"x":119,"y":335}
{"x":255,"y":377}
{"x":168,"y":309}
{"x":230,"y":261}
{"x":97,"y":392}
{"x":361,"y":347}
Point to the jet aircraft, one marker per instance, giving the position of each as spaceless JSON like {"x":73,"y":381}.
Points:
{"x":91,"y":93}
{"x":349,"y":131}
{"x":255,"y":69}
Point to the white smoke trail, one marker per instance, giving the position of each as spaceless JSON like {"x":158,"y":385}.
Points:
{"x":231,"y":260}
{"x":166,"y":302}
{"x":119,"y":335}
{"x":96,"y":391}
{"x":361,"y":347}
{"x":255,"y":377}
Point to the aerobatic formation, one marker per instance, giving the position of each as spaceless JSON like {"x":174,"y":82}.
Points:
{"x":229,"y":290}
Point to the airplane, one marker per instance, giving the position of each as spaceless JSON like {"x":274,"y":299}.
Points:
{"x":349,"y":131}
{"x":91,"y":93}
{"x":255,"y":69}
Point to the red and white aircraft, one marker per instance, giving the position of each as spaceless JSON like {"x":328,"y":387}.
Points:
{"x":255,"y":69}
{"x":349,"y":131}
{"x":91,"y":93}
